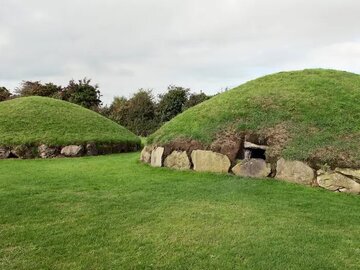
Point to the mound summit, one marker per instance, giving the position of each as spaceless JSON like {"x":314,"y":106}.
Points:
{"x":310,"y":116}
{"x":34,"y":121}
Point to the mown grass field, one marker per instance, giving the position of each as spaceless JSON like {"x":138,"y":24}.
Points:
{"x":37,"y":120}
{"x":111,"y":212}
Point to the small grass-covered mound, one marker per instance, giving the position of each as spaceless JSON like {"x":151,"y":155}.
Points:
{"x":314,"y":114}
{"x":41,"y":120}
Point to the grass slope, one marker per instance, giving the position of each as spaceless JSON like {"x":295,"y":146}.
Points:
{"x":110,"y":212}
{"x":34,"y":120}
{"x":319,"y":108}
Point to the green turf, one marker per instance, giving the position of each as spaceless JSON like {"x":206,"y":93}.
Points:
{"x":111,"y":212}
{"x":35,"y":120}
{"x":319,"y":108}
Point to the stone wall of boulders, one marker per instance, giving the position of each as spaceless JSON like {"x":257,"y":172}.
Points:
{"x":338,"y":179}
{"x":76,"y":150}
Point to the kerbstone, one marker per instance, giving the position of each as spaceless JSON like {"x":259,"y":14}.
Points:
{"x":177,"y":160}
{"x":4,"y":152}
{"x":335,"y":181}
{"x":145,"y":155}
{"x":208,"y":161}
{"x":72,"y":150}
{"x":294,"y":171}
{"x":349,"y":172}
{"x":252,"y":168}
{"x":47,"y":151}
{"x":156,"y":156}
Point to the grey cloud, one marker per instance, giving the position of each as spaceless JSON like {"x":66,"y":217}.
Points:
{"x":203,"y":44}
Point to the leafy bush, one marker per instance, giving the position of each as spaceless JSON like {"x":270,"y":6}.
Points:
{"x":137,"y":113}
{"x":82,"y":93}
{"x":143,"y":115}
{"x":172,"y":103}
{"x":4,"y":94}
{"x":36,"y":88}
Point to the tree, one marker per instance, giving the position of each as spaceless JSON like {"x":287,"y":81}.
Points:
{"x":82,"y":93}
{"x":118,"y":111}
{"x":118,"y":104}
{"x":36,"y":88}
{"x":172,"y":103}
{"x":141,"y":112}
{"x":4,"y":93}
{"x":137,"y":114}
{"x":195,"y":99}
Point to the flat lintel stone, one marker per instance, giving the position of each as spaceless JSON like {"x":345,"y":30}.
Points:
{"x":254,"y":146}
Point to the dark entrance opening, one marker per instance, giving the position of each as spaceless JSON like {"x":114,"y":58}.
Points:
{"x":255,"y":153}
{"x":11,"y":155}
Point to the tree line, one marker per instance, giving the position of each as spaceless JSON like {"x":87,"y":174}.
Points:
{"x":142,"y":113}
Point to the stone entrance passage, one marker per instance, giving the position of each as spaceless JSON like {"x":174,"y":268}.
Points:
{"x":252,"y":150}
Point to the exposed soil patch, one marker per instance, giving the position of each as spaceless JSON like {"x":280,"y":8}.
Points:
{"x":183,"y":145}
{"x":332,"y":158}
{"x":229,"y":143}
{"x":276,"y":138}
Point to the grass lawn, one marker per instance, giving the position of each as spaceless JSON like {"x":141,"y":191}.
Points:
{"x":111,"y":212}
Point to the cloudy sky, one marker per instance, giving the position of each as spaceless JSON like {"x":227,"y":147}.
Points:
{"x":202,"y":44}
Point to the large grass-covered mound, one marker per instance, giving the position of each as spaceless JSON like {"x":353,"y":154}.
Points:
{"x":41,"y":120}
{"x":313,"y":114}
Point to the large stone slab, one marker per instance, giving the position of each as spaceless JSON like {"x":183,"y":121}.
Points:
{"x":47,"y":151}
{"x":254,"y":146}
{"x":145,"y":155}
{"x":178,"y":160}
{"x":208,"y":161}
{"x":355,"y":174}
{"x":294,"y":171}
{"x":24,"y":152}
{"x":335,"y":181}
{"x":252,"y":168}
{"x":157,"y":156}
{"x":4,"y":152}
{"x":72,"y":150}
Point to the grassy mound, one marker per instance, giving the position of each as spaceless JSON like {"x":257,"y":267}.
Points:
{"x":36,"y":120}
{"x":317,"y":113}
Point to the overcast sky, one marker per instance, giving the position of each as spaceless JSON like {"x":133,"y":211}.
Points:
{"x":205,"y":45}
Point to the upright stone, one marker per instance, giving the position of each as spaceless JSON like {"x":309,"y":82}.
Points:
{"x":177,"y":160}
{"x":294,"y":171}
{"x":337,"y":182}
{"x":208,"y":161}
{"x":145,"y":155}
{"x":254,"y":167}
{"x":4,"y":152}
{"x":156,"y":156}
